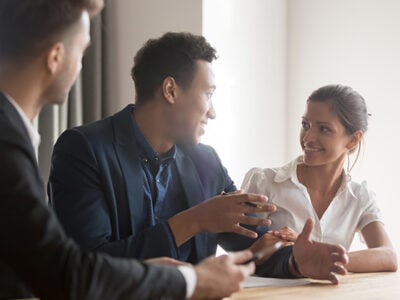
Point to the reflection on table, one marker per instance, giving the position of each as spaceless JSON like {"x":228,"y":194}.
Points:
{"x":362,"y":286}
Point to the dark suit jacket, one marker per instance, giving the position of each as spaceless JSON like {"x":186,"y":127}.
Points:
{"x":34,"y":251}
{"x":96,"y":182}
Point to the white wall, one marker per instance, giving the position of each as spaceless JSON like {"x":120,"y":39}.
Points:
{"x":250,"y":37}
{"x":252,"y":32}
{"x":357,"y":43}
{"x":273,"y":54}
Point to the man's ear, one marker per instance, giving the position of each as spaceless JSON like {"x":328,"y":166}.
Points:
{"x":169,"y":89}
{"x":55,"y":58}
{"x":355,"y":140}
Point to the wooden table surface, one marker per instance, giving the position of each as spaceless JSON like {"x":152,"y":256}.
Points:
{"x":361,"y":286}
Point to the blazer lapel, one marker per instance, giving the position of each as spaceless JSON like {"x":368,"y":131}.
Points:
{"x":194,"y":193}
{"x":15,"y":119}
{"x":127,"y":152}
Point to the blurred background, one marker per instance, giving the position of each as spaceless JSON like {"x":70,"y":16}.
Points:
{"x":272,"y":55}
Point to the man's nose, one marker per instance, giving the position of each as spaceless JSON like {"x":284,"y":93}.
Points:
{"x":211,"y":112}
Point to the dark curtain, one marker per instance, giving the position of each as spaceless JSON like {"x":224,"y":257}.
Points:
{"x":86,"y":101}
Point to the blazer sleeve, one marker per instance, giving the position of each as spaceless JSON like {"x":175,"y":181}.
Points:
{"x":33,"y":244}
{"x":275,"y":266}
{"x":83,"y":190}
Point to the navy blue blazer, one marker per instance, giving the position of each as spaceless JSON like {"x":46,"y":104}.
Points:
{"x":96,"y":178}
{"x":96,"y":181}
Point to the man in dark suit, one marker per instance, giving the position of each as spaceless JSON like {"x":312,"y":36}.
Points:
{"x":139,"y":183}
{"x":41,"y":46}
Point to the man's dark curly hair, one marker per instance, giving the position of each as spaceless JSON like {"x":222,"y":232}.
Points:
{"x":174,"y":54}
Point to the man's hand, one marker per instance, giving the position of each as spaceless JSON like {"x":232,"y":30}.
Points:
{"x":319,"y":260}
{"x":166,"y":261}
{"x":225,"y":213}
{"x":222,"y":213}
{"x":219,"y":277}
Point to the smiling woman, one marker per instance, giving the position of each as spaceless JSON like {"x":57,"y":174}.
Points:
{"x":279,"y":52}
{"x":316,"y":185}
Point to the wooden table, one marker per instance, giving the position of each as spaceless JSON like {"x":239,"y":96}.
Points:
{"x":361,"y":286}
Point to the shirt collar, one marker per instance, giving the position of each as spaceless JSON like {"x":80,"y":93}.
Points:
{"x":34,"y":135}
{"x":147,"y":150}
{"x":289,"y":171}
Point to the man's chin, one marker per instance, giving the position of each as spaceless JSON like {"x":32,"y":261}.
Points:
{"x":190,"y":141}
{"x":57,"y":101}
{"x":197,"y":140}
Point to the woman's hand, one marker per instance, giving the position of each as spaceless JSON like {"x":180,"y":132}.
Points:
{"x":266,"y":241}
{"x":286,"y":233}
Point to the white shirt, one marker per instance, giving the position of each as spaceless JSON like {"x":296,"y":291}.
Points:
{"x":191,"y":279}
{"x":353,"y":207}
{"x":32,"y":132}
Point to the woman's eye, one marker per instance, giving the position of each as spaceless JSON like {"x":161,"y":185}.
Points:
{"x":324,"y":129}
{"x":304,"y":125}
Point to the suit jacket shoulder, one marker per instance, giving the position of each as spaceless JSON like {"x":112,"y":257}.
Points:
{"x":213,"y":175}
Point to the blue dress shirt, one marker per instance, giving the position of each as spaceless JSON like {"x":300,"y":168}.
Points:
{"x":163,"y":193}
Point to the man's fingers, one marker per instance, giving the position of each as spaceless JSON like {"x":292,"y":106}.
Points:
{"x":340,"y":258}
{"x":339,"y":269}
{"x":242,"y":198}
{"x":256,"y":198}
{"x":241,"y":256}
{"x":307,"y":229}
{"x":237,"y":192}
{"x":253,"y":202}
{"x":249,"y":220}
{"x":253,"y":207}
{"x":246,"y":232}
{"x":334,"y":248}
{"x":333,"y":278}
{"x":166,"y":261}
{"x":248,"y":269}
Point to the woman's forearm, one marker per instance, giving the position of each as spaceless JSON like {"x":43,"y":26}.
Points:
{"x":380,"y":259}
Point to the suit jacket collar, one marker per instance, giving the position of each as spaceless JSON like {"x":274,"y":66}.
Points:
{"x":13,"y":117}
{"x":125,"y":139}
{"x":194,"y":194}
{"x":128,"y":152}
{"x":123,"y":126}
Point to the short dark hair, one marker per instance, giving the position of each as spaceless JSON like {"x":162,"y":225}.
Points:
{"x":347,"y":104}
{"x":29,"y":26}
{"x":173,"y":54}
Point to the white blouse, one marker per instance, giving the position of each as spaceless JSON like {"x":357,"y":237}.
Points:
{"x":353,"y":207}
